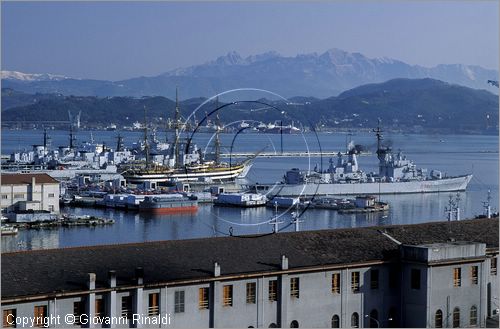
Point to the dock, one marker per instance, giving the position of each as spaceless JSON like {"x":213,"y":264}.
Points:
{"x":287,"y":154}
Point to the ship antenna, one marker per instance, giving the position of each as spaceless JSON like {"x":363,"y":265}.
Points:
{"x":378,"y":133}
{"x":45,"y":141}
{"x":119,"y":146}
{"x":146,"y":142}
{"x":217,"y":139}
{"x":71,"y":137}
{"x":487,"y":206}
{"x":177,"y":114}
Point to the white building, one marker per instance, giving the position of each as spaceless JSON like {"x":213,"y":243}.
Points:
{"x":22,"y":192}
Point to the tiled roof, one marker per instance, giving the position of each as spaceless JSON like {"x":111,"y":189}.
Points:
{"x":47,"y":271}
{"x":23,"y":179}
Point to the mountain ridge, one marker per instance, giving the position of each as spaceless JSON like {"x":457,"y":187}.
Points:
{"x":318,"y":75}
{"x":404,"y":104}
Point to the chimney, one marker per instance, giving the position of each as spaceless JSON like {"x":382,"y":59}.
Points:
{"x":91,"y":281}
{"x":139,"y":275}
{"x":284,"y":262}
{"x":112,"y":279}
{"x":216,"y":269}
{"x":33,"y":183}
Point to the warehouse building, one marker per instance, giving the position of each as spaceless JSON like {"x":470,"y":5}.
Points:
{"x":29,"y":192}
{"x":441,"y":274}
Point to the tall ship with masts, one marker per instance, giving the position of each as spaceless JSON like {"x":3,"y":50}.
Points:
{"x":184,"y":162}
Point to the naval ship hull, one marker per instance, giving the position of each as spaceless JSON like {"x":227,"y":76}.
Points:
{"x":219,"y":174}
{"x":451,"y":184}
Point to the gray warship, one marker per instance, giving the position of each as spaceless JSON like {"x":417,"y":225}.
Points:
{"x":397,"y":174}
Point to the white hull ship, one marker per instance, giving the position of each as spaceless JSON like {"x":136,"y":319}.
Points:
{"x":450,"y":184}
{"x":200,"y":173}
{"x":397,"y":175}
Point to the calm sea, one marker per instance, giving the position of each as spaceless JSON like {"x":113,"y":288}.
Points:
{"x":451,"y":154}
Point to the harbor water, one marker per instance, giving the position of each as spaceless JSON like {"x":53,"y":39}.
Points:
{"x":451,"y":154}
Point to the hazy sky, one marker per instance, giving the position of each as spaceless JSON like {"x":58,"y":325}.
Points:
{"x":118,"y":40}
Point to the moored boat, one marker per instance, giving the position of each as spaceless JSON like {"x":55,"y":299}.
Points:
{"x":244,"y":200}
{"x":168,"y":204}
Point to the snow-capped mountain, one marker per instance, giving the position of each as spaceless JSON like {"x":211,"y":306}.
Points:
{"x":30,"y":77}
{"x":318,"y":75}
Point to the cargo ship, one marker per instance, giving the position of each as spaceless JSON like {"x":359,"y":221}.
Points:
{"x":396,"y":175}
{"x":173,"y":203}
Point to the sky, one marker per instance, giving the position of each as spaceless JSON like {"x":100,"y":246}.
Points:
{"x":120,"y":40}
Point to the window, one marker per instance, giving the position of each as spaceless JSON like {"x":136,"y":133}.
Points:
{"x":227,"y":298}
{"x":374,"y":279}
{"x":251,"y":296}
{"x":294,"y":288}
{"x":40,"y":313}
{"x":457,"y":277}
{"x":179,"y":301}
{"x":355,"y":281}
{"x":126,"y":307}
{"x":78,"y":310}
{"x":273,"y":290}
{"x":456,"y":317}
{"x":354,"y":320}
{"x":473,"y":274}
{"x":9,"y":318}
{"x":51,"y":208}
{"x":493,"y":266}
{"x":294,"y":324}
{"x":19,"y":196}
{"x":5,"y":196}
{"x":153,"y":306}
{"x":335,"y":321}
{"x":374,"y":319}
{"x":336,"y":283}
{"x":415,"y":278}
{"x":203,"y":298}
{"x":438,"y":319}
{"x":473,"y":316}
{"x":99,"y":308}
{"x":51,"y":195}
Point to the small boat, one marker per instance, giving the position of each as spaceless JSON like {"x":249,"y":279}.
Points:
{"x":9,"y":230}
{"x":168,"y":204}
{"x":244,"y":200}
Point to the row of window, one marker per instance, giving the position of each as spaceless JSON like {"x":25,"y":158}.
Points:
{"x":22,"y":196}
{"x":457,"y":275}
{"x":251,"y":288}
{"x":40,"y":312}
{"x":438,"y":317}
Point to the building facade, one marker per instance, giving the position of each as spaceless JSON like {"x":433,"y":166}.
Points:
{"x":22,"y":192}
{"x":231,"y":282}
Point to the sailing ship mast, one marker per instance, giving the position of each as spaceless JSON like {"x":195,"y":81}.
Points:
{"x":217,"y":138}
{"x":146,"y":142}
{"x":176,"y":123}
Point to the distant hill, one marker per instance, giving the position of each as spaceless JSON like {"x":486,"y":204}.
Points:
{"x":405,"y":104}
{"x":310,"y":75}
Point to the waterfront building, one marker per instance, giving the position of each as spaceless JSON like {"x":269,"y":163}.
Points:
{"x":25,"y":192}
{"x":440,"y":274}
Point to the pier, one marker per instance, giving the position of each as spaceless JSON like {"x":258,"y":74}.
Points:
{"x":290,"y":154}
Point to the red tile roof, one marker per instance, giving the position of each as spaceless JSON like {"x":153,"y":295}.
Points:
{"x":24,"y":179}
